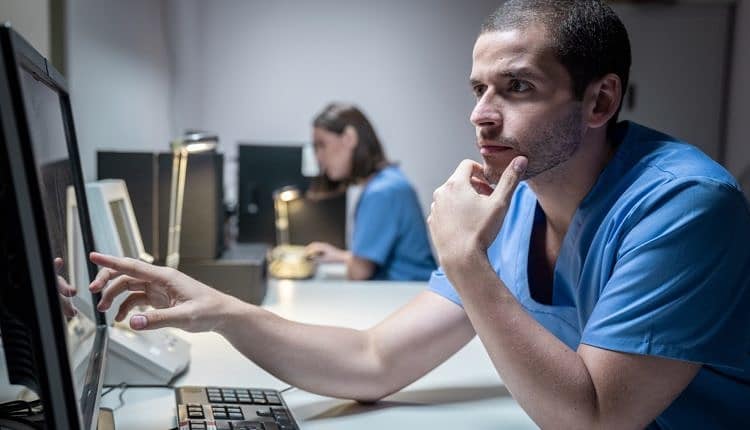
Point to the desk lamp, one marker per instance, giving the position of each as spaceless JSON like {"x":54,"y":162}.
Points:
{"x":281,"y":199}
{"x":190,"y":143}
{"x":287,"y":261}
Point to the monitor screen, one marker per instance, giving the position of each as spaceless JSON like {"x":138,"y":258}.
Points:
{"x":124,"y":231}
{"x":262,"y":170}
{"x":53,"y":338}
{"x":45,"y":118}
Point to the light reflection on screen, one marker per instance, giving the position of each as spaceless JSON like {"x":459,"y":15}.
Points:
{"x":45,"y":116}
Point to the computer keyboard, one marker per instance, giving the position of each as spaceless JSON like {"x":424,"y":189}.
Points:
{"x":220,"y":408}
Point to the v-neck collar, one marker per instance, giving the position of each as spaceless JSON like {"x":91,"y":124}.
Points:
{"x":567,"y":268}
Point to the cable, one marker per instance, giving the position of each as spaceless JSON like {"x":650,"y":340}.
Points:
{"x":291,"y":387}
{"x":29,"y":414}
{"x":124,"y":386}
{"x":20,"y":408}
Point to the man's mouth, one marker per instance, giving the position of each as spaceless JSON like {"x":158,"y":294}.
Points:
{"x":490,"y":149}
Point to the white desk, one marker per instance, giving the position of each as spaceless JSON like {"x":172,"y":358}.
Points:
{"x":464,"y":392}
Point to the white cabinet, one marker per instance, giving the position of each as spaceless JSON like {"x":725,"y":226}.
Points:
{"x":679,"y":69}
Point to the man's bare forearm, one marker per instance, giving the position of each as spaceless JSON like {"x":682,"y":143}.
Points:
{"x":558,"y":387}
{"x":354,"y":364}
{"x":548,"y":379}
{"x":332,"y":361}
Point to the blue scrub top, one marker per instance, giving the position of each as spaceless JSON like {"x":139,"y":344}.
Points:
{"x":656,"y":261}
{"x":389,"y":229}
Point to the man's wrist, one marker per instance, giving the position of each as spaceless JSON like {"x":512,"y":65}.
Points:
{"x":463,"y":265}
{"x":229,"y":311}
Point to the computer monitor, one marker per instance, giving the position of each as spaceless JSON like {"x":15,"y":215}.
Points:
{"x":53,"y":338}
{"x":134,"y":357}
{"x":113,"y":225}
{"x":264,"y":169}
{"x":322,"y":219}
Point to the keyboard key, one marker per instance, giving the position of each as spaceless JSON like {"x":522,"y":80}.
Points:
{"x":273,"y":400}
{"x":264,"y":412}
{"x":249,"y":426}
{"x":195,"y":412}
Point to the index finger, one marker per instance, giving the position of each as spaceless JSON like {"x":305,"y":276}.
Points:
{"x":510,"y":178}
{"x":129,"y":266}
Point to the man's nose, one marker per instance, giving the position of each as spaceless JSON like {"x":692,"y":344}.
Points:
{"x":485,"y":113}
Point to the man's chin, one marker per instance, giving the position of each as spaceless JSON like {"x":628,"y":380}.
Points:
{"x":493,"y":172}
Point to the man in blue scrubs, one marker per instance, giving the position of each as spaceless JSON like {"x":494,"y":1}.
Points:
{"x":610,"y":288}
{"x":604,"y":266}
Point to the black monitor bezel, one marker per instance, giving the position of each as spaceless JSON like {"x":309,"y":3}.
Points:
{"x":58,"y":392}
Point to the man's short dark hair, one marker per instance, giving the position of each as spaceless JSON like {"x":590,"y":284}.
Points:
{"x":587,"y":37}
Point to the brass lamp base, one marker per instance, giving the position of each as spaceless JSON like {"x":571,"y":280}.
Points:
{"x":290,"y":262}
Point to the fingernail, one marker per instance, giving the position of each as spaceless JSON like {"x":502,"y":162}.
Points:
{"x":138,"y":322}
{"x":100,"y":306}
{"x":519,"y":165}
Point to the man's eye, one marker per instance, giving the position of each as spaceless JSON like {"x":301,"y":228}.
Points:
{"x":519,"y":86}
{"x":479,"y":90}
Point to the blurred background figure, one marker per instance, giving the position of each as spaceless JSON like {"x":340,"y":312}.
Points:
{"x":389,"y":237}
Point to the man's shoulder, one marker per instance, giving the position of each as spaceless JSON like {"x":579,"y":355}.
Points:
{"x":662,"y":161}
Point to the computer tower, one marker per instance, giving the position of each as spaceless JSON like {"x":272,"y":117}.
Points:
{"x":148,"y":177}
{"x":202,"y":235}
{"x":140,"y":172}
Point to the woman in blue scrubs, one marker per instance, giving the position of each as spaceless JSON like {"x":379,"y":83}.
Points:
{"x":389,"y":239}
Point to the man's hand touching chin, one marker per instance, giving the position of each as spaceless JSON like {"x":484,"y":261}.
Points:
{"x":467,"y":213}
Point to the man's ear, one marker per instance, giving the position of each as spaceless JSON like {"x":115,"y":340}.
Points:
{"x":350,"y":136}
{"x":601,"y":100}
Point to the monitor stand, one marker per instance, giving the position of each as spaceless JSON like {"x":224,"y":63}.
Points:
{"x":149,"y":357}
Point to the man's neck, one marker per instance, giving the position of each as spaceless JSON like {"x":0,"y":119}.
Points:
{"x":560,"y":190}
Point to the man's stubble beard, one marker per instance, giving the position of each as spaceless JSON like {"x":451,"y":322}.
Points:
{"x":546,"y":148}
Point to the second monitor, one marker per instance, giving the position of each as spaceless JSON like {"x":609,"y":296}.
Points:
{"x":264,"y":169}
{"x":143,"y":357}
